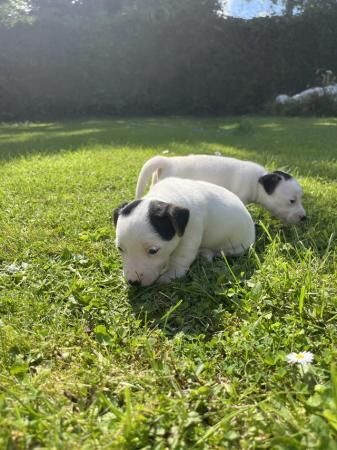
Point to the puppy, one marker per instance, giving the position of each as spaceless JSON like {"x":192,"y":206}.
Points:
{"x":277,"y":191}
{"x":160,"y":235}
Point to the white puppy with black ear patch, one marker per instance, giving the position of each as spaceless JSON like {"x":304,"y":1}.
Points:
{"x":160,"y":235}
{"x":277,"y":191}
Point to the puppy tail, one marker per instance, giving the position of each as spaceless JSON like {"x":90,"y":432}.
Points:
{"x":155,"y":164}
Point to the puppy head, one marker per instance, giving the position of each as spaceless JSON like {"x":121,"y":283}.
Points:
{"x":282,"y":196}
{"x":147,"y":233}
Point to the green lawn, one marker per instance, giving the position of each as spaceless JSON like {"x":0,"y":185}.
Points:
{"x":86,"y":363}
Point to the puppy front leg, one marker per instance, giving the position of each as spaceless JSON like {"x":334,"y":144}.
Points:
{"x":180,"y":262}
{"x":171,"y":274}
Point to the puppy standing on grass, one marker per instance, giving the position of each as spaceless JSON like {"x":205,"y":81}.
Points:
{"x":277,"y":191}
{"x":160,"y":235}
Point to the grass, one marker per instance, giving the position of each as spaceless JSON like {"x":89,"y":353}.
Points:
{"x":86,"y":363}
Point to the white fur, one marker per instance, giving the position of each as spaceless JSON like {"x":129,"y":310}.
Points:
{"x":240,"y":177}
{"x":218,"y":221}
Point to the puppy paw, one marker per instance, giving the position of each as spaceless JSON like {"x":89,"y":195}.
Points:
{"x":171,"y":275}
{"x":207,"y":254}
{"x":166,"y":278}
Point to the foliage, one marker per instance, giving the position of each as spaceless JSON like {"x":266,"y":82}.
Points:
{"x":151,"y":56}
{"x":86,"y":363}
{"x":325,"y":77}
{"x":295,"y":6}
{"x":13,"y":12}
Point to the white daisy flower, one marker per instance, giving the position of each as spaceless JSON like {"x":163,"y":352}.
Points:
{"x":302,"y":358}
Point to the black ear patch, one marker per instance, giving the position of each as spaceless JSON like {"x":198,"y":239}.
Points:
{"x":130,"y":207}
{"x":125,"y":209}
{"x":285,"y":175}
{"x":270,"y":181}
{"x":180,"y":217}
{"x":168,"y":220}
{"x":116,"y":211}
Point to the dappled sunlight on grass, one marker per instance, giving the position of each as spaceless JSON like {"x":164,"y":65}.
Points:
{"x":231,"y":126}
{"x":70,"y":133}
{"x":22,"y":137}
{"x":28,"y":124}
{"x":326,"y":123}
{"x":50,"y":134}
{"x":226,"y":150}
{"x":273,"y":126}
{"x":275,"y":142}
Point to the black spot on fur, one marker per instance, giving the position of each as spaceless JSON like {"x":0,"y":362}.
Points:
{"x":285,"y":175}
{"x":125,"y":209}
{"x":270,"y":181}
{"x":167,"y":219}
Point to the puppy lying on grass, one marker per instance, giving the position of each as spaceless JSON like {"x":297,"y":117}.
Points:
{"x":277,"y":191}
{"x":160,"y":235}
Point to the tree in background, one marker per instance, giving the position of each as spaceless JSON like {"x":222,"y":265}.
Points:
{"x":85,"y":57}
{"x":14,"y":11}
{"x":293,"y":6}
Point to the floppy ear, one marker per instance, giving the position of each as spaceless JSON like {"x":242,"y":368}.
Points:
{"x":270,"y":181}
{"x":285,"y":175}
{"x":116,"y":211}
{"x":167,"y":219}
{"x":179,"y":218}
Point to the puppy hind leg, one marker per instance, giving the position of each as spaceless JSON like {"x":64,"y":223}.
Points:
{"x":232,"y":249}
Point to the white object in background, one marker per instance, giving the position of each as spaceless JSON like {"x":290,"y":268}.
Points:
{"x":304,"y":95}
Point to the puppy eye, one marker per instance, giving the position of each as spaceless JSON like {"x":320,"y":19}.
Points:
{"x":292,"y":201}
{"x":153,"y":251}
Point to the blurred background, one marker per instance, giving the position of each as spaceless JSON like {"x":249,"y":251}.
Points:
{"x":81,"y":58}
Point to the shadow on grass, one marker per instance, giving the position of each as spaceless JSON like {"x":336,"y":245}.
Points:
{"x":198,"y":303}
{"x":19,"y":139}
{"x":280,"y":142}
{"x":195,"y":304}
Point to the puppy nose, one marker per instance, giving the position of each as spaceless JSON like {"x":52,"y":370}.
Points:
{"x":303,"y":218}
{"x":134,"y":282}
